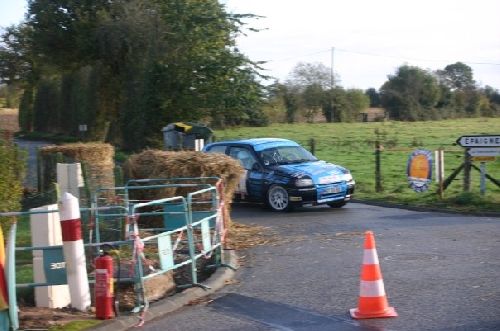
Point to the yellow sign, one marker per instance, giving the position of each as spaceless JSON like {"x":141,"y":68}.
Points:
{"x":483,"y":158}
{"x":419,"y":170}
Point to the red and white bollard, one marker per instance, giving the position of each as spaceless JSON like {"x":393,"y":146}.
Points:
{"x":74,"y":252}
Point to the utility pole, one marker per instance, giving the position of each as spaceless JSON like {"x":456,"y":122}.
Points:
{"x":378,"y":173}
{"x":332,"y":79}
{"x":332,"y":84}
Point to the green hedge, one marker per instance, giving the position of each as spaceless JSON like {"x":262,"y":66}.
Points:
{"x":11,"y":177}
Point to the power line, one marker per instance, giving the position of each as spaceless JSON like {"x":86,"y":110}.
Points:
{"x":300,"y":56}
{"x":377,"y":55}
{"x":411,"y":59}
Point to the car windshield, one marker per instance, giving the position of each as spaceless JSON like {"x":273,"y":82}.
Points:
{"x":285,"y":155}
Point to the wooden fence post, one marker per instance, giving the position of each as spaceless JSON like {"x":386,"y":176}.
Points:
{"x":312,"y":146}
{"x":378,"y":175}
{"x":467,"y":167}
{"x":440,"y":171}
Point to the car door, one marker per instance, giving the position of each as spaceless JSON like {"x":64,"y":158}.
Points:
{"x":252,"y":182}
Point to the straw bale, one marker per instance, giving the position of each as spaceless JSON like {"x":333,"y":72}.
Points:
{"x":98,"y":159}
{"x":94,"y":152}
{"x":185,"y":164}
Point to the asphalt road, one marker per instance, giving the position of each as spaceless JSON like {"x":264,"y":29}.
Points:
{"x":441,"y":272}
{"x":31,"y":149}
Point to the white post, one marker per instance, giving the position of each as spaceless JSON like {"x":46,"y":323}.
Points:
{"x":439,"y":157}
{"x":69,"y":178}
{"x":199,"y":144}
{"x":439,"y":165}
{"x":46,"y":231}
{"x":482,"y":187}
{"x":74,"y":252}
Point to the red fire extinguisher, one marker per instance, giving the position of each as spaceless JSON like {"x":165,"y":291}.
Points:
{"x":103,"y":289}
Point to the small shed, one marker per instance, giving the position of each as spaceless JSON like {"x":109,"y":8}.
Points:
{"x":183,"y":135}
{"x":373,"y":115}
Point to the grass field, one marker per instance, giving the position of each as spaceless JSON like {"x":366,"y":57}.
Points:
{"x":353,"y":145}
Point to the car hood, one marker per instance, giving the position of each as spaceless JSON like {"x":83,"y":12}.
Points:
{"x":320,"y":172}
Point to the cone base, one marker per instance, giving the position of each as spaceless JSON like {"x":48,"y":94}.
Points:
{"x":388,"y":312}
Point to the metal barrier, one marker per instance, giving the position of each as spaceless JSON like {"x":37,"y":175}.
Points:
{"x":198,"y":226}
{"x":55,"y":270}
{"x":211,"y":228}
{"x":173,"y":216}
{"x":165,"y":249}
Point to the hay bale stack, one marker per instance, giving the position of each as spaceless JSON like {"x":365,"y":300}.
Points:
{"x":185,"y":164}
{"x":97,"y":159}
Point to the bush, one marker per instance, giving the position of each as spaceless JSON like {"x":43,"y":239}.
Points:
{"x":11,"y":173}
{"x":468,"y":198}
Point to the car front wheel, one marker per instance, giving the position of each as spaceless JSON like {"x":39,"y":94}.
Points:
{"x":277,"y":198}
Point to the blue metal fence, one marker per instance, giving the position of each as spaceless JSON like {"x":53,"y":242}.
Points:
{"x":193,"y":221}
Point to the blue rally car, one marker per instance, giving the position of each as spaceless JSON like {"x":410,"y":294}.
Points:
{"x":283,"y":174}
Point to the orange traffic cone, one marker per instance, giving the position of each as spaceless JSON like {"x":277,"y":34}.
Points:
{"x":372,"y":299}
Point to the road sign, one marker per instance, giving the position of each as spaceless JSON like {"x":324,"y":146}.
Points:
{"x":479,"y":141}
{"x":483,"y":158}
{"x":484,"y":151}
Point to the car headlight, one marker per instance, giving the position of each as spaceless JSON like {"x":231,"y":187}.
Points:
{"x":348,"y":178}
{"x":303,"y":182}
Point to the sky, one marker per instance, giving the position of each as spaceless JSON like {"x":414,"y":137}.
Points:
{"x":364,"y":40}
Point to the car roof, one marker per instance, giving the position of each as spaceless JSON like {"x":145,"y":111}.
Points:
{"x":258,"y":144}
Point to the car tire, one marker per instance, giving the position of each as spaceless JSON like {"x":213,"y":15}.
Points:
{"x":277,"y":198}
{"x":337,"y":204}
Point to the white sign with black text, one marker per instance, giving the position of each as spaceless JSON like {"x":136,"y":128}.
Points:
{"x":484,"y":151}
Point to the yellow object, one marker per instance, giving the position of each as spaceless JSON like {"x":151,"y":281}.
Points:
{"x":186,"y":127}
{"x":420,"y":167}
{"x":3,"y":284}
{"x":483,"y":158}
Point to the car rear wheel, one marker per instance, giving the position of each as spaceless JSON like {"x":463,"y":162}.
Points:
{"x":277,"y":198}
{"x":337,"y":204}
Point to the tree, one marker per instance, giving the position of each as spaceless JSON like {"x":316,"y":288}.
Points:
{"x":310,"y":83}
{"x":462,"y":98}
{"x":335,"y":105}
{"x":491,"y":106}
{"x":307,"y":74}
{"x":26,"y":110}
{"x":374,"y":97}
{"x":16,"y":64}
{"x":358,"y":101}
{"x":46,"y":106}
{"x":312,"y":97}
{"x":133,"y":66}
{"x":344,"y":105}
{"x":457,"y":76}
{"x":64,"y":32}
{"x":292,"y":103}
{"x":411,"y":94}
{"x":274,"y":103}
{"x":309,"y":90}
